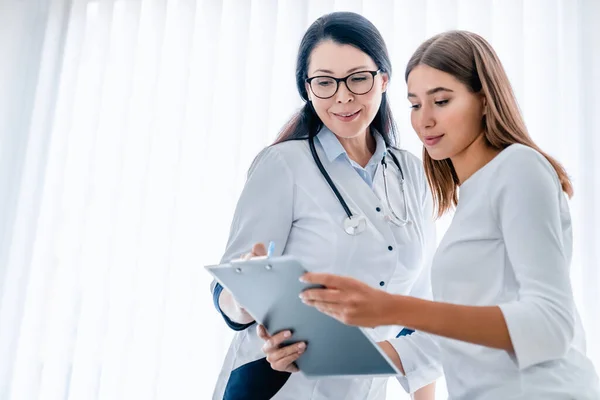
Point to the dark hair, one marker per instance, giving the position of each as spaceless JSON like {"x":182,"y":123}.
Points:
{"x":472,"y":60}
{"x":342,"y":28}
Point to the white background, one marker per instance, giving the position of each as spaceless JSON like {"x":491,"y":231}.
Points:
{"x":127,"y":127}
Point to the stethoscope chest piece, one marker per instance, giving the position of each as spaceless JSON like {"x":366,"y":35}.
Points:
{"x":355,"y":224}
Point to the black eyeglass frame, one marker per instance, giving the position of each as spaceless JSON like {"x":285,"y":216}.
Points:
{"x":338,"y":80}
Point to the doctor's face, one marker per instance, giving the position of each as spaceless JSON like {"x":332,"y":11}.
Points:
{"x":445,"y":114}
{"x":349,"y":111}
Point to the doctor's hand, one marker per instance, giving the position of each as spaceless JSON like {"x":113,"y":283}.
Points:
{"x":258,"y":250}
{"x":229,"y":304}
{"x":348,"y":300}
{"x":280,"y":358}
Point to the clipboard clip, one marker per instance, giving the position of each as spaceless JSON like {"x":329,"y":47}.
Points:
{"x":238,"y":270}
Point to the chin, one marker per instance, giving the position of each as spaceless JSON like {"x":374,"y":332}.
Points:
{"x":437,"y":154}
{"x":348,"y":130}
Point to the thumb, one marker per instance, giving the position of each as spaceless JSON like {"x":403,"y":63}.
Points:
{"x":259,"y":249}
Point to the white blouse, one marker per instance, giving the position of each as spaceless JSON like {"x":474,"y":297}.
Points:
{"x":510,"y":245}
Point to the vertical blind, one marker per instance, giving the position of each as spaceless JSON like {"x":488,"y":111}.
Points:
{"x":126,"y":132}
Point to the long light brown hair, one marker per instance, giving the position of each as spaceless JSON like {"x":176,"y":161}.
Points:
{"x":472,"y":60}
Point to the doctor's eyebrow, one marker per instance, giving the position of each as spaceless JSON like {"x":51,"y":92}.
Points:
{"x":351,"y":70}
{"x":433,"y":91}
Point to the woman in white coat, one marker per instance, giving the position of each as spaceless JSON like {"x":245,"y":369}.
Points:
{"x":335,"y":193}
{"x":503,"y":311}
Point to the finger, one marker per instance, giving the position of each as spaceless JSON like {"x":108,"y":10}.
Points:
{"x":327,"y":309}
{"x":327,"y":280}
{"x":262,"y":333}
{"x":274,"y":341}
{"x":340,"y":314}
{"x":259,"y":250}
{"x":287,"y":363}
{"x":277,"y":355}
{"x":323,"y":295}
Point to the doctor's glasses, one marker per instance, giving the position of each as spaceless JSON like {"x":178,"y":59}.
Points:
{"x":325,"y":87}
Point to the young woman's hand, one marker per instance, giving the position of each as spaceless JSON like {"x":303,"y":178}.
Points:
{"x":348,"y":300}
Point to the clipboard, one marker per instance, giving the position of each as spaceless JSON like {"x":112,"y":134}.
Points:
{"x":268,"y":289}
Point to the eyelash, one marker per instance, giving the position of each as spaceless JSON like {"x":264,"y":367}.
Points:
{"x":440,"y":103}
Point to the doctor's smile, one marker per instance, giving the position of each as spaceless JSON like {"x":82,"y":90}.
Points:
{"x":347,"y":117}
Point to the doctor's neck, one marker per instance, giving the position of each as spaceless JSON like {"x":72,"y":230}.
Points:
{"x":360,"y":148}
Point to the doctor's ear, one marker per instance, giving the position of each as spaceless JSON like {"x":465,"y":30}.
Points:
{"x":385,"y":80}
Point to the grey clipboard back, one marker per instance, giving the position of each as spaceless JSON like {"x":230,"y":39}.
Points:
{"x":268,"y":289}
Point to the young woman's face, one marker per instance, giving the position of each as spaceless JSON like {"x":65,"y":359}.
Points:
{"x":349,"y":111}
{"x":445,"y":114}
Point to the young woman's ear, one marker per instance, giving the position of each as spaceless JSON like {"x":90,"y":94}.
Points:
{"x":308,"y":92}
{"x":483,"y":105}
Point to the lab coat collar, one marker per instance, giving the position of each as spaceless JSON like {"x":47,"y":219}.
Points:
{"x":333,"y":149}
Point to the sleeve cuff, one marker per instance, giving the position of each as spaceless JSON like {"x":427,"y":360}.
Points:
{"x":233,"y":325}
{"x":419,"y":360}
{"x":405,"y":332}
{"x":531,"y":347}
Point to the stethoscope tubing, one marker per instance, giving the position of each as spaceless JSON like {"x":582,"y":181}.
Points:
{"x":335,"y":190}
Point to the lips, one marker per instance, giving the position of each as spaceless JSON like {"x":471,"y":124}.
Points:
{"x":432,"y":140}
{"x":347,"y":116}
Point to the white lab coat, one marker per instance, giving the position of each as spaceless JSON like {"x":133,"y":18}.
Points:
{"x":287,"y":200}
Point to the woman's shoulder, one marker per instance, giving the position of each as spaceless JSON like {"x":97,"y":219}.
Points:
{"x":290,"y":148}
{"x":280,"y":155}
{"x":518,"y":151}
{"x":520,"y":168}
{"x":518,"y":160}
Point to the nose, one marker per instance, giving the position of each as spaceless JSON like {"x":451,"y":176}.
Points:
{"x":425,"y":118}
{"x":343,"y":95}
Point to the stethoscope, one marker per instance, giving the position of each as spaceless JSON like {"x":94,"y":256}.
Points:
{"x":355,"y":224}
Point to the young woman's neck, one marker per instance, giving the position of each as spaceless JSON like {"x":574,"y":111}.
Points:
{"x":473,"y":158}
{"x":360,"y":148}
